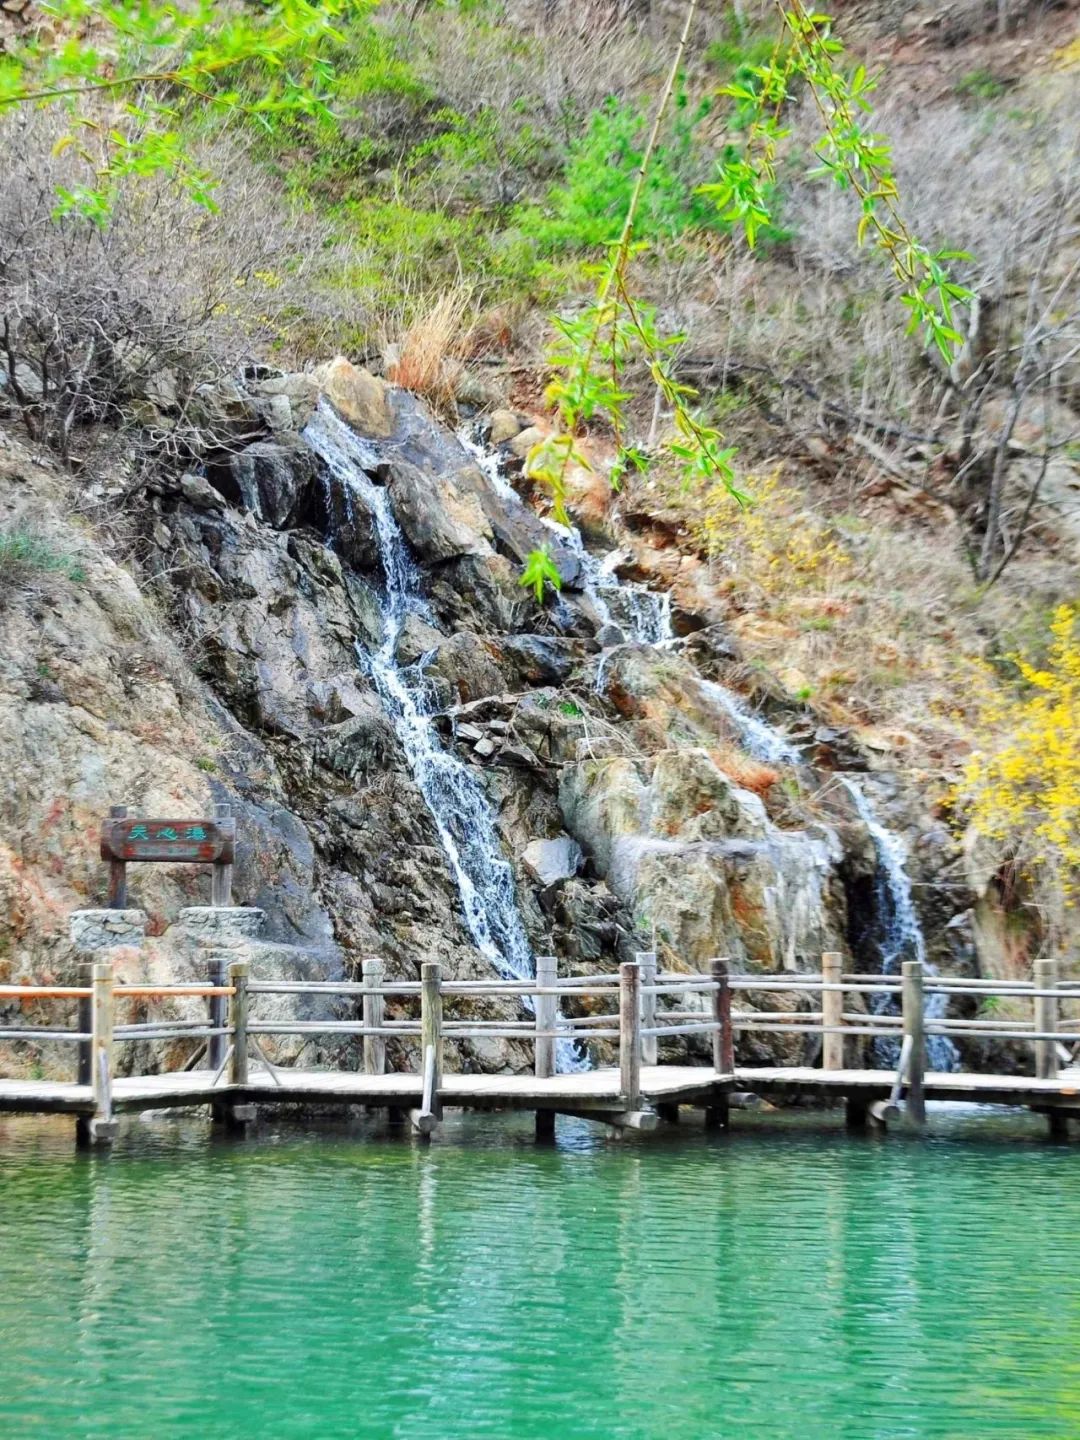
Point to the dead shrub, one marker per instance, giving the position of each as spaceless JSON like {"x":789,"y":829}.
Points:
{"x":426,"y":358}
{"x":113,"y":326}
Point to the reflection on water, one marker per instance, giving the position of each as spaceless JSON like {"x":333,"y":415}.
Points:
{"x":787,"y":1281}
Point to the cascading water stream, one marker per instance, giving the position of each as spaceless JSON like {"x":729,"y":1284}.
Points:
{"x":450,"y":788}
{"x":641,"y":614}
{"x":899,"y":936}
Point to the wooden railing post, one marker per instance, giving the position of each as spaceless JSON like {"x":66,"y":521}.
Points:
{"x":914,"y":1026}
{"x":1046,"y":1019}
{"x":102,"y":1127}
{"x":431,"y":1046}
{"x":650,"y":1044}
{"x":547,"y":1010}
{"x":630,"y":1033}
{"x":374,"y":1015}
{"x":217,"y":1013}
{"x":832,"y":1011}
{"x":239,"y":971}
{"x":723,"y":1036}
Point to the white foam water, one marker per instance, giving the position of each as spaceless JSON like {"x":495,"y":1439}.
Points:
{"x":451,"y":789}
{"x":899,"y":934}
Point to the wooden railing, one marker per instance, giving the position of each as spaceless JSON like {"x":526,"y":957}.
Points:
{"x":232,"y":1030}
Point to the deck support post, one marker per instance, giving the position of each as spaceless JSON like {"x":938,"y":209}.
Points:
{"x":102,"y":1127}
{"x":217,"y":1046}
{"x":718,"y":1111}
{"x":1058,"y":1121}
{"x":426,"y":1118}
{"x":239,"y":1116}
{"x":855,"y":1113}
{"x":630,"y":1034}
{"x":832,"y":1011}
{"x":650,"y":1044}
{"x":374,"y":972}
{"x":1047,"y":975}
{"x":914,"y":1026}
{"x":84,"y":1064}
{"x":547,"y":1011}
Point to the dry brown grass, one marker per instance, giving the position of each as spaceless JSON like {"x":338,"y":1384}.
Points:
{"x":425,"y":360}
{"x":873,"y":621}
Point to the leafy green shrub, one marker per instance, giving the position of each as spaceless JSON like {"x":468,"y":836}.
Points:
{"x":981,"y":84}
{"x":586,"y":210}
{"x":408,"y":254}
{"x":26,"y":561}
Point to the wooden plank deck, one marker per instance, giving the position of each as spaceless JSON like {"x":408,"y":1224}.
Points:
{"x":597,"y":1090}
{"x":592,"y":1090}
{"x":790,"y":1082}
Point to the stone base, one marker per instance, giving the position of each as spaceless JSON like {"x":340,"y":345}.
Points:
{"x":222,"y":924}
{"x":94,"y":1132}
{"x":106,"y":929}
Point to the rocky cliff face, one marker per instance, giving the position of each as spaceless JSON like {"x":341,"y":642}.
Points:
{"x":229,"y":663}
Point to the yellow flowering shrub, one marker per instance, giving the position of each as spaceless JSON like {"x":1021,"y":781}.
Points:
{"x":1022,"y":788}
{"x":763,"y":538}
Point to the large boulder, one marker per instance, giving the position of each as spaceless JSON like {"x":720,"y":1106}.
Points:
{"x":550,"y":861}
{"x":439,"y":521}
{"x":699,"y":864}
{"x":357,"y":395}
{"x":271,"y":476}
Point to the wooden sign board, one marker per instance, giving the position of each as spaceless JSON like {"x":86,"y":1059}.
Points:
{"x":199,"y":842}
{"x":129,"y":839}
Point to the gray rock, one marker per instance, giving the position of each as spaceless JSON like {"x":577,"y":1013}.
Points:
{"x":549,"y":861}
{"x":276,"y":412}
{"x":440,"y":521}
{"x":270,"y":476}
{"x":472,"y":388}
{"x":503,"y":427}
{"x":222,"y":924}
{"x":540,"y":659}
{"x":299,"y":390}
{"x":27,"y":378}
{"x":524,"y":441}
{"x":609,"y":636}
{"x":104,"y":929}
{"x":199,"y":492}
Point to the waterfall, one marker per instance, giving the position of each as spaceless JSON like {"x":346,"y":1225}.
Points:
{"x":899,"y":936}
{"x":643,"y":615}
{"x":451,"y":789}
{"x":761,"y":740}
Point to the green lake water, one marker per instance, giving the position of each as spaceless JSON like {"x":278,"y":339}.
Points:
{"x":787,"y":1281}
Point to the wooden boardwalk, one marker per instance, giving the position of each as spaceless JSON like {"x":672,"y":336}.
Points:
{"x":594,"y":1090}
{"x":644,"y":1008}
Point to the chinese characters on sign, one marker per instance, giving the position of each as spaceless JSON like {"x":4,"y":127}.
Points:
{"x":200,"y":842}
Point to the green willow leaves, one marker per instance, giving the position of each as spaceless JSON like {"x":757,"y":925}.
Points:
{"x":124,"y":72}
{"x":594,"y":349}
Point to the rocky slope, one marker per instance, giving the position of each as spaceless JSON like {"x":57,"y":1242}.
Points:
{"x":231,"y":663}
